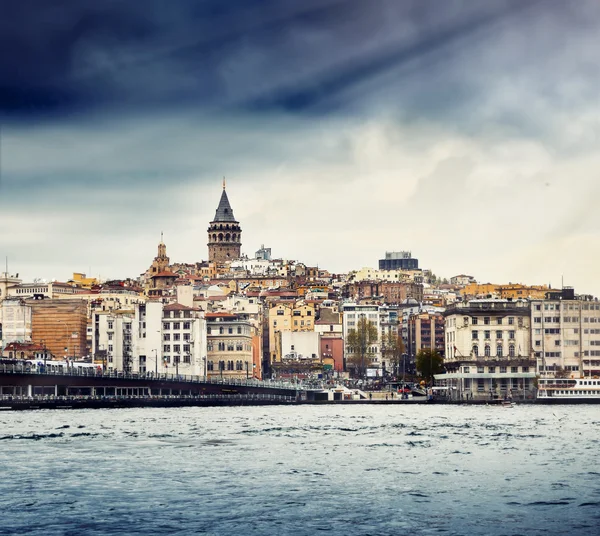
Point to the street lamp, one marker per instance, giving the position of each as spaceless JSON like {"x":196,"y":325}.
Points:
{"x":155,"y":361}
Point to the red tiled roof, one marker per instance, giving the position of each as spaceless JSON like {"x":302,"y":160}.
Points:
{"x":166,"y":274}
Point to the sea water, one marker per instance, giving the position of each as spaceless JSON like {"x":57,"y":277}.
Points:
{"x":351,"y":470}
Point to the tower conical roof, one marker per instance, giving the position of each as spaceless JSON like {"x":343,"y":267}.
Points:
{"x":224,"y":211}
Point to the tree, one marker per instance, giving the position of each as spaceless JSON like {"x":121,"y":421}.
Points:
{"x":429,"y":362}
{"x":392,"y":348}
{"x":359,"y":341}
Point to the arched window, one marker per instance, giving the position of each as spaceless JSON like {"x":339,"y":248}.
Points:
{"x":476,"y":351}
{"x":221,"y":365}
{"x":221,"y":330}
{"x":238,"y":365}
{"x":214,"y":237}
{"x":220,"y":237}
{"x":229,"y":365}
{"x":221,"y":347}
{"x":511,"y":350}
{"x":487,"y":351}
{"x":499,"y":350}
{"x":233,"y":237}
{"x":227,"y":237}
{"x":211,"y":365}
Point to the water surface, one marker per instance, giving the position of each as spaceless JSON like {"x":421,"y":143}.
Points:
{"x":349,"y":470}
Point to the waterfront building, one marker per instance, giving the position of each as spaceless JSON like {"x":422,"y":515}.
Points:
{"x":288,"y":316}
{"x":231,"y":346}
{"x":224,"y":233}
{"x":113,"y":340}
{"x":60,"y":325}
{"x":566,"y":335}
{"x":387,"y":291}
{"x":488,"y":348}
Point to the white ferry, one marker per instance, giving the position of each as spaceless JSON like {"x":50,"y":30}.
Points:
{"x":581,"y":390}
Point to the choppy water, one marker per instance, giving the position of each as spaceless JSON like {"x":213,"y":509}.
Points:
{"x":302,"y":470}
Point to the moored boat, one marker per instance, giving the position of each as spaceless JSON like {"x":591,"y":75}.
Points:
{"x":569,"y":390}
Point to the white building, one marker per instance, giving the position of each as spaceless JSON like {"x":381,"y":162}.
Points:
{"x":352,"y":313}
{"x":157,"y":338}
{"x":299,"y":345}
{"x":15,"y":321}
{"x":488,"y":348}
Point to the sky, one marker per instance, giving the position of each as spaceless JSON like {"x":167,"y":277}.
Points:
{"x":464,"y":132}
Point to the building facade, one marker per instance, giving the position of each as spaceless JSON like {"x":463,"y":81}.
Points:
{"x":566,"y":335}
{"x":488,"y":349}
{"x":230,"y":346}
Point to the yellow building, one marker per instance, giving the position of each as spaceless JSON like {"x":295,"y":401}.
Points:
{"x":515,"y":291}
{"x":297,"y":316}
{"x":80,"y":280}
{"x":511,"y":290}
{"x":477,"y":289}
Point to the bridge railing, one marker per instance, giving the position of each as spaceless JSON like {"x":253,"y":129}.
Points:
{"x":215,"y":396}
{"x":112,"y":374}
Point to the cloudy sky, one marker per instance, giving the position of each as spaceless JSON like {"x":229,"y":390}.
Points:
{"x":466,"y":132}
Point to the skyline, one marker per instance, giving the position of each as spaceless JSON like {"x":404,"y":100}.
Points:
{"x":465,"y":135}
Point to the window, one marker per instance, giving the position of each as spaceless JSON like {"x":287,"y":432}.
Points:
{"x":511,"y":320}
{"x":110,"y":325}
{"x":499,"y":350}
{"x":538,"y":343}
{"x":514,"y":370}
{"x":186,"y":359}
{"x":474,"y":335}
{"x":166,"y":336}
{"x":511,"y":334}
{"x":230,"y":331}
{"x":525,"y":369}
{"x":186,"y":336}
{"x":110,"y":347}
{"x":502,"y":370}
{"x":498,"y":334}
{"x":166,"y":325}
{"x":486,"y":320}
{"x":487,"y":351}
{"x":239,"y":347}
{"x":177,"y":348}
{"x":186,"y":348}
{"x":480,"y":370}
{"x":466,"y":370}
{"x":177,"y":325}
{"x":210,"y":365}
{"x":474,"y":320}
{"x":476,"y":350}
{"x":110,"y":336}
{"x":499,"y":320}
{"x":176,"y":336}
{"x":492,"y":370}
{"x":239,"y":330}
{"x":186,"y":325}
{"x":167,"y":348}
{"x":230,"y":347}
{"x":221,"y":347}
{"x":487,"y":334}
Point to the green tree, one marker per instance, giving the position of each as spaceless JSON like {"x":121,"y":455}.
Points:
{"x":392,"y":348}
{"x":358,"y":342}
{"x":429,"y":362}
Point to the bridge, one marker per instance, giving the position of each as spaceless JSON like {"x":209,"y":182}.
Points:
{"x":22,"y":387}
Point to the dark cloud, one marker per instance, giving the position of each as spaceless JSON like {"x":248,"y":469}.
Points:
{"x":78,"y":55}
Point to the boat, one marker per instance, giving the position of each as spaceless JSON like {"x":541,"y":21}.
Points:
{"x":572,"y":390}
{"x":508,"y":404}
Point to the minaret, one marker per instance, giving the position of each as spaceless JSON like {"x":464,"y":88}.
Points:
{"x":224,"y":233}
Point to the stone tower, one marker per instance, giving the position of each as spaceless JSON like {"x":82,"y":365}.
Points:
{"x":224,"y":233}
